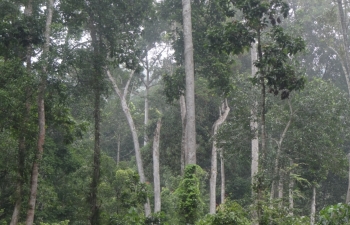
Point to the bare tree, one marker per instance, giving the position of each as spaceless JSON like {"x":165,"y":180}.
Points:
{"x":126,"y":110}
{"x":224,"y":110}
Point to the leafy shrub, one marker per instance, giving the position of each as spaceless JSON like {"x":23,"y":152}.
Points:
{"x":338,"y":214}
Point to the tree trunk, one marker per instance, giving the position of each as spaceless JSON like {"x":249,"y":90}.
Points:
{"x":183,"y":137}
{"x":156,"y":177}
{"x":280,"y":188}
{"x":291,"y":189}
{"x":190,"y":93}
{"x":118,"y":149}
{"x":223,"y":194}
{"x":223,"y":115}
{"x":313,"y":205}
{"x":255,"y":138}
{"x":347,"y":201}
{"x":41,"y":119}
{"x":277,"y":169}
{"x":28,"y":11}
{"x":147,"y":83}
{"x":131,"y":123}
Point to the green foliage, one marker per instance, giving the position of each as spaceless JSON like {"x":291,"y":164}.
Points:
{"x":189,"y":194}
{"x":66,"y":222}
{"x":335,"y":214}
{"x":229,"y":213}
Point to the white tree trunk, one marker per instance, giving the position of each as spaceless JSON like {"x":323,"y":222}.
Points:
{"x":190,"y":93}
{"x":291,"y":190}
{"x":255,"y":138}
{"x":313,"y":205}
{"x":222,"y":161}
{"x":347,"y":201}
{"x":156,"y":177}
{"x":223,"y":115}
{"x":131,"y":123}
{"x":280,"y":188}
{"x":183,"y":138}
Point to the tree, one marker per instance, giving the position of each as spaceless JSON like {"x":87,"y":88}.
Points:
{"x":224,"y":110}
{"x":261,"y":22}
{"x":41,"y":117}
{"x":189,"y":70}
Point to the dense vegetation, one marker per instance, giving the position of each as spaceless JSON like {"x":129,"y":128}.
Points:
{"x":97,"y":123}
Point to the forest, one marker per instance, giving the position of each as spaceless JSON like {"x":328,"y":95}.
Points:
{"x":196,"y":112}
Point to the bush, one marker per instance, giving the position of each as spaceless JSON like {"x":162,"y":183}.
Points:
{"x":335,"y":215}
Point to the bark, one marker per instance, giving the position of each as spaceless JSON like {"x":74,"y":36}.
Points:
{"x":223,"y":194}
{"x":291,"y":190}
{"x":156,"y":177}
{"x":126,"y":110}
{"x":313,"y":206}
{"x":223,"y":115}
{"x":41,"y":119}
{"x":348,"y":192}
{"x":28,"y":11}
{"x":255,"y":138}
{"x":190,"y":93}
{"x":183,"y":137}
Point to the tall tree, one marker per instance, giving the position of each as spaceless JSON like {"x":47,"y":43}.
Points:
{"x":189,"y":71}
{"x":41,"y":117}
{"x":122,"y":96}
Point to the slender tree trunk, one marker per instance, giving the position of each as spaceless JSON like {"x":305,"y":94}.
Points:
{"x":156,"y":177}
{"x":280,"y":188}
{"x":183,"y":137}
{"x":222,"y":161}
{"x":291,"y":189}
{"x":41,"y":119}
{"x":131,"y":123}
{"x":190,"y":93}
{"x":147,"y":83}
{"x":255,"y":138}
{"x":28,"y":11}
{"x":347,"y":201}
{"x":118,"y":149}
{"x":313,"y":205}
{"x":223,"y":115}
{"x":277,"y":169}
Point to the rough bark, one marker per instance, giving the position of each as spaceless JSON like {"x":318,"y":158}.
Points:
{"x":189,"y":70}
{"x":183,"y":136}
{"x":255,"y":137}
{"x":313,"y":206}
{"x":213,"y":174}
{"x":126,"y":110}
{"x":41,"y":119}
{"x":156,"y":177}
